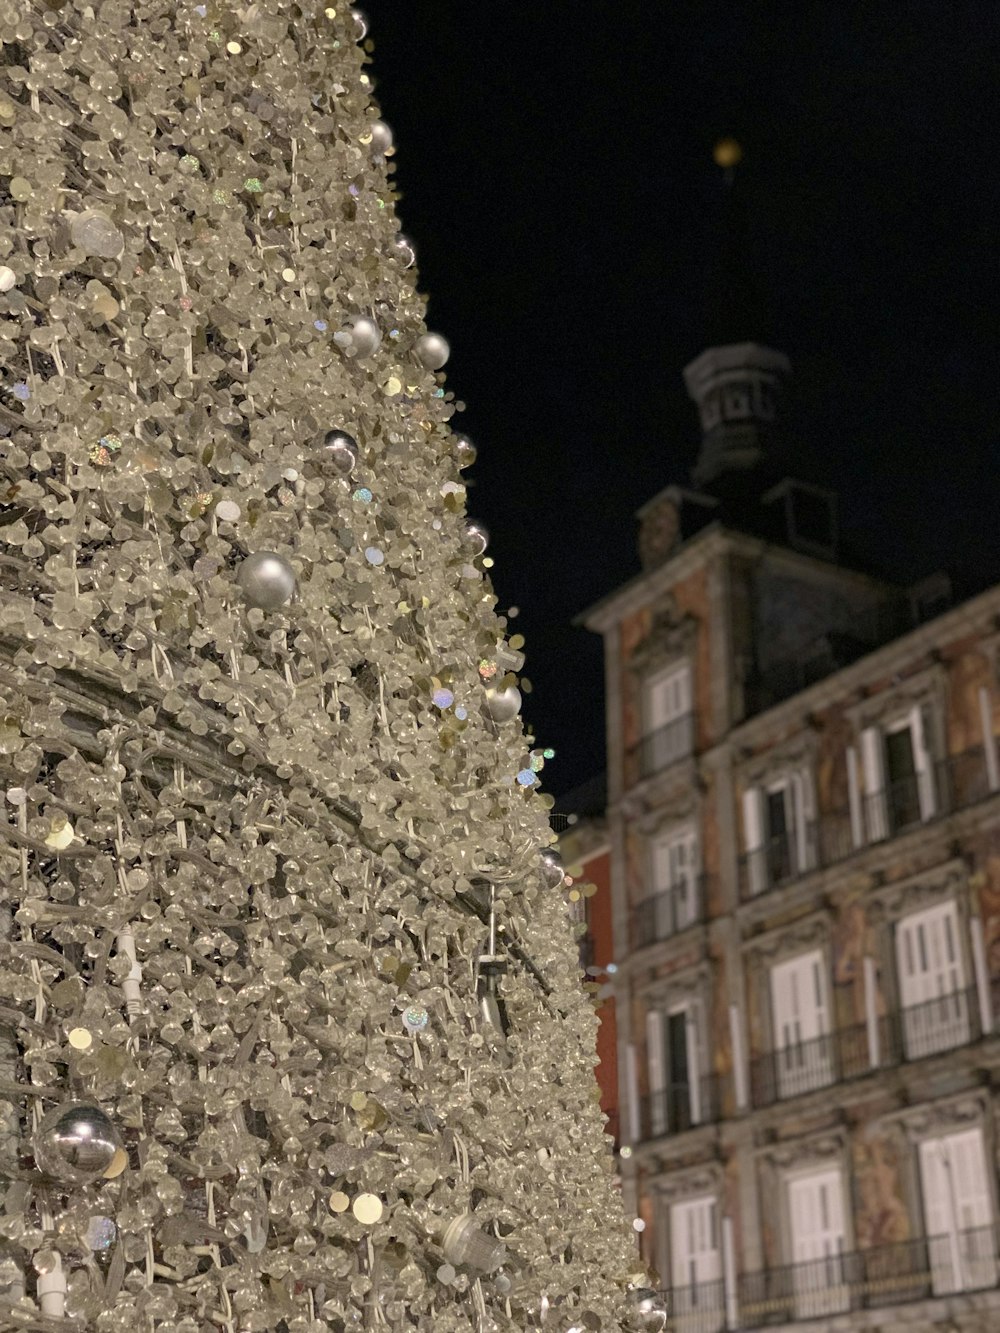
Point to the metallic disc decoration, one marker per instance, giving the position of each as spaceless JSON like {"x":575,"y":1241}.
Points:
{"x":432,"y":350}
{"x":267,"y":580}
{"x":503,"y":705}
{"x":416,"y":1018}
{"x":76,"y":1143}
{"x":367,"y":1208}
{"x":341,"y":450}
{"x":101,"y":1233}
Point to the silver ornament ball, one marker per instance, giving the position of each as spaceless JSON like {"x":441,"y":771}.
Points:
{"x":96,"y":234}
{"x":401,"y":249}
{"x":267,"y":580}
{"x":76,"y":1144}
{"x":8,"y":278}
{"x":465,"y":451}
{"x":477,"y":536}
{"x":381,"y":137}
{"x":360,"y":24}
{"x":360,"y":337}
{"x":432,"y":350}
{"x":503,"y":705}
{"x":341,"y":450}
{"x":464,"y":1245}
{"x":552,"y":871}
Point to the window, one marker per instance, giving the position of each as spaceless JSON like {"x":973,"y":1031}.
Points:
{"x":672,"y":901}
{"x":898,"y":776}
{"x":803,"y":1050}
{"x":958,"y":1211}
{"x":697,"y":1300}
{"x":667,"y":728}
{"x":677,"y":1089}
{"x":933,"y":992}
{"x":816,"y":1222}
{"x":778,"y":830}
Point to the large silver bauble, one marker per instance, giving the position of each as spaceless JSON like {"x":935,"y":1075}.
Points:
{"x":360,"y":24}
{"x":341,"y":450}
{"x":477,"y":536}
{"x":503,"y":705}
{"x":465,"y":451}
{"x":76,"y":1143}
{"x":267,"y":580}
{"x":381,"y":137}
{"x":360,"y":337}
{"x":431,"y":350}
{"x":552,"y":871}
{"x":401,"y":249}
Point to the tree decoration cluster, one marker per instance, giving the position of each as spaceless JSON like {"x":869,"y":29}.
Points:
{"x":247,"y":862}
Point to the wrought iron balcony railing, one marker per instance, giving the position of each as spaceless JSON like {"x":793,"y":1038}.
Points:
{"x":911,"y":1033}
{"x":679,"y":1107}
{"x":953,"y":784}
{"x":667,"y":913}
{"x":659,"y":749}
{"x":838,"y":1283}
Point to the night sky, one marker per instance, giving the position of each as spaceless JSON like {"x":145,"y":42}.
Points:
{"x":557,"y":179}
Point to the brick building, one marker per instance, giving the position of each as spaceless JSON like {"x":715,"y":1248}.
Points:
{"x":804,"y":828}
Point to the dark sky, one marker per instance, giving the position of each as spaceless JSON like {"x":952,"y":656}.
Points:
{"x":555,"y":164}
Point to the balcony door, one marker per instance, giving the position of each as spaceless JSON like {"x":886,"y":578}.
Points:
{"x":958,"y":1212}
{"x":697,"y":1303}
{"x":675,"y":1085}
{"x":667,"y":719}
{"x":816,"y":1217}
{"x":933,"y":991}
{"x":674,"y":904}
{"x":800,"y":1009}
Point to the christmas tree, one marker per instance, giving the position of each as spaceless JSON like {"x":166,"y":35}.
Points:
{"x":292,"y":1035}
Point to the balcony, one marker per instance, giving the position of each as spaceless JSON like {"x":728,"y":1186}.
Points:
{"x":872,"y":1279}
{"x":905,"y":1035}
{"x":669,"y":912}
{"x":660,"y":748}
{"x":679,"y":1107}
{"x":952,"y":784}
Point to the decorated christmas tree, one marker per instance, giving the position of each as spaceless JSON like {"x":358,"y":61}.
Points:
{"x":292,"y":1035}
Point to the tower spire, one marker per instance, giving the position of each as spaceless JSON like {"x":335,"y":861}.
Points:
{"x":736,"y":381}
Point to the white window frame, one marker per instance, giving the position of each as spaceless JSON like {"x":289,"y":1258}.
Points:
{"x":660,"y":1077}
{"x":702,"y":1306}
{"x":800,"y":1019}
{"x":959,"y":1210}
{"x":877,"y":810}
{"x":934,"y":987}
{"x":816,"y":1250}
{"x":664,"y":746}
{"x":663,"y":890}
{"x":796,"y":787}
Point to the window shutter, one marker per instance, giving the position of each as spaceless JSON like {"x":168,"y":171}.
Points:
{"x":694,"y":1063}
{"x":816,"y":1208}
{"x":802,"y":819}
{"x":696,"y":1259}
{"x":753,"y":835}
{"x":989,"y":739}
{"x":932,"y":980}
{"x":632,"y":1092}
{"x":656,"y":1069}
{"x":873,"y":765}
{"x":922,"y":764}
{"x":854,"y":798}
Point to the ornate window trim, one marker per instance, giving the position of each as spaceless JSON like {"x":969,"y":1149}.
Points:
{"x":808,"y":932}
{"x":690,"y":1182}
{"x":945,"y":882}
{"x":689,"y":983}
{"x":931,"y":1119}
{"x":778,"y":1163}
{"x":671,"y":640}
{"x":925,"y":688}
{"x":796,"y":753}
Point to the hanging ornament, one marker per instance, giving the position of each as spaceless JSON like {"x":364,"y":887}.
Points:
{"x":267,"y":580}
{"x":359,"y":337}
{"x":464,"y":1245}
{"x":360,"y":24}
{"x":381,"y":137}
{"x":552,"y":871}
{"x":8,"y":278}
{"x":415,"y":1019}
{"x":101,"y":1233}
{"x":342,"y":451}
{"x":490,"y":967}
{"x":465,"y":451}
{"x":401,"y":249}
{"x":95,"y":234}
{"x":431,"y":350}
{"x":503,"y":705}
{"x":77,"y":1144}
{"x":477,"y":536}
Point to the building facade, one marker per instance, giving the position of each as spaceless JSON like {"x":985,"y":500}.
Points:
{"x":804,"y":828}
